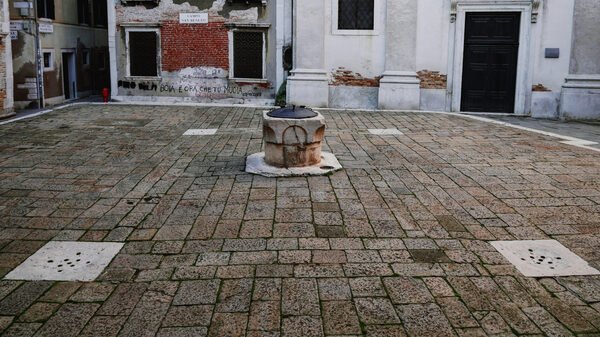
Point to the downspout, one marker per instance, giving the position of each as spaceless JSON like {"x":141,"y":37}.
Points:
{"x":39,"y":64}
{"x":112,"y":46}
{"x":280,"y":33}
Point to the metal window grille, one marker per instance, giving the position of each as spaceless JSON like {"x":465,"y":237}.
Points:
{"x":100,"y":13}
{"x":248,"y":54}
{"x":143,"y":54}
{"x":45,"y":9}
{"x":356,"y":14}
{"x":83,"y":12}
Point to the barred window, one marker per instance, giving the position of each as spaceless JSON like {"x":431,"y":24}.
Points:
{"x":356,"y":14}
{"x":100,"y":15}
{"x":143,"y":53}
{"x":83,"y":12}
{"x":45,"y":9}
{"x":248,"y":54}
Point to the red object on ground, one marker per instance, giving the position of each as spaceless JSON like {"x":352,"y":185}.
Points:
{"x":105,"y":94}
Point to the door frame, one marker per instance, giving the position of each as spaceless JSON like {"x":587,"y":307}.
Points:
{"x":72,"y":64}
{"x":524,"y":59}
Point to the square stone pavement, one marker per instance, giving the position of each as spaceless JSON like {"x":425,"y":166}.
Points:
{"x":395,"y":244}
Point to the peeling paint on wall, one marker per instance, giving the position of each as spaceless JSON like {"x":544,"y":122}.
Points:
{"x":345,"y":77}
{"x":194,"y":58}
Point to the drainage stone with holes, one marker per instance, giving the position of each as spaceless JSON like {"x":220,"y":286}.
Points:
{"x":66,"y":261}
{"x":200,"y":132}
{"x":542,"y":258}
{"x":385,"y":132}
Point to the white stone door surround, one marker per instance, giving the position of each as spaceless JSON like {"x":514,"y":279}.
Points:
{"x":459,"y":9}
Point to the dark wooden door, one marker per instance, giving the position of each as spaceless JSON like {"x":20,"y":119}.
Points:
{"x":66,"y":61}
{"x":490,"y":62}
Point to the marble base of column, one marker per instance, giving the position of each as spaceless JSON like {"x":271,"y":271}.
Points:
{"x":399,"y":90}
{"x":580,"y":97}
{"x":308,"y":87}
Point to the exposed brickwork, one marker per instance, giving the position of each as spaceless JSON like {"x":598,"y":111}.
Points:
{"x":194,"y":45}
{"x":432,"y":79}
{"x":540,"y":87}
{"x":343,"y":76}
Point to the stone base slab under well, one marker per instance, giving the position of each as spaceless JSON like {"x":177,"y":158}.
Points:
{"x":256,"y":164}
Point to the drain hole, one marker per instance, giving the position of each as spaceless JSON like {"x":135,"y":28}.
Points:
{"x":87,"y":262}
{"x":50,"y":261}
{"x":558,"y":258}
{"x":60,"y":271}
{"x":326,"y":167}
{"x":60,"y":265}
{"x":66,"y":259}
{"x":78,"y":253}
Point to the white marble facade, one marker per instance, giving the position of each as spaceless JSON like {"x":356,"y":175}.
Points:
{"x":410,"y":36}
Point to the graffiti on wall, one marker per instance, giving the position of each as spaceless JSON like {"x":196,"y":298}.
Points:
{"x":182,"y":88}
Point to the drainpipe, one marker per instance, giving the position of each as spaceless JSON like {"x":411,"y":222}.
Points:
{"x":279,"y":31}
{"x":112,"y":46}
{"x":39,"y":62}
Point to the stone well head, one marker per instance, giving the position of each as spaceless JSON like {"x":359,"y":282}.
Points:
{"x":293,"y":137}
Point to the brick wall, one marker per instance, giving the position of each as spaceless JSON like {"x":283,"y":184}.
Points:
{"x":342,"y":76}
{"x":432,"y":79}
{"x":185,"y":45}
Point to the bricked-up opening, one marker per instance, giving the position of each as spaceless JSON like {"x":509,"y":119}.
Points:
{"x":45,"y":9}
{"x":356,"y":14}
{"x":248,"y":55}
{"x":143,"y":54}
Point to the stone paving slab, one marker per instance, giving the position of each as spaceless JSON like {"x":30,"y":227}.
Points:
{"x":395,"y":244}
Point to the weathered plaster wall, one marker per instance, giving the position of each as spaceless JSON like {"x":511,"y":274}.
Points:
{"x":195,"y":58}
{"x":586,"y":38}
{"x":553,"y":30}
{"x":69,"y":38}
{"x":358,"y":53}
{"x":6,"y":85}
{"x":25,"y":82}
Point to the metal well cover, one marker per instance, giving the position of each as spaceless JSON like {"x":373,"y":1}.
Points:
{"x":292,"y":113}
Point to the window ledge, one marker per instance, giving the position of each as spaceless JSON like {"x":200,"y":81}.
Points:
{"x":142,"y":78}
{"x":140,"y":24}
{"x":355,"y":32}
{"x":249,"y":80}
{"x":248,"y":25}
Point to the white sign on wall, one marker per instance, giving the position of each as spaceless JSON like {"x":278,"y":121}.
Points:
{"x":193,"y":18}
{"x":46,"y":27}
{"x":23,"y":4}
{"x":14,"y":35}
{"x":16,"y":25}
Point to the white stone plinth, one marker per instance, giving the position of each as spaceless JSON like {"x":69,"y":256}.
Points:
{"x":256,"y":164}
{"x":580,"y":98}
{"x":399,"y":90}
{"x":308,"y":87}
